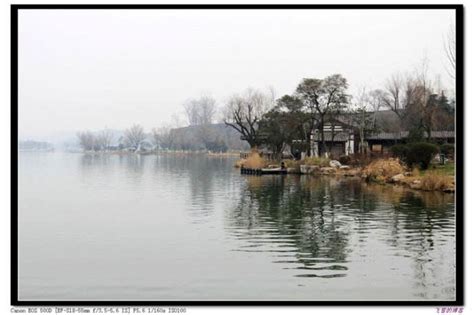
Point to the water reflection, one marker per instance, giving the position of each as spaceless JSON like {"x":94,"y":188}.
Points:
{"x":295,"y":220}
{"x":202,"y":178}
{"x":304,"y":237}
{"x":314,"y":224}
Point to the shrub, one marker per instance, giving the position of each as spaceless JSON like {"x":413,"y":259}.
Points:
{"x":400,"y":151}
{"x":420,"y":154}
{"x":345,"y":160}
{"x":415,"y":135}
{"x":447,"y":149}
{"x":360,"y":159}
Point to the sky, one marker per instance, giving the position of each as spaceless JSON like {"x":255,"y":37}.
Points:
{"x":95,"y":69}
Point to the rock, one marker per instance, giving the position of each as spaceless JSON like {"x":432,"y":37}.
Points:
{"x":344,"y":167}
{"x":352,"y":173}
{"x":293,"y":170}
{"x":397,"y":178}
{"x":327,"y":170}
{"x":408,"y":174}
{"x":308,"y":169}
{"x":335,"y":163}
{"x":450,"y":189}
{"x":416,"y":184}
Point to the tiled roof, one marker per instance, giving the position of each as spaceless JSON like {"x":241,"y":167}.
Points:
{"x":400,"y":135}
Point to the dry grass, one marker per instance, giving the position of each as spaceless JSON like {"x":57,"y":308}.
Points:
{"x":254,"y":160}
{"x":435,"y":181}
{"x":292,"y":163}
{"x":382,"y":169}
{"x":416,"y":172}
{"x":319,"y":161}
{"x":239,"y":163}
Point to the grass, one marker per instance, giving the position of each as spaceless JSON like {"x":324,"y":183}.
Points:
{"x":319,"y":161}
{"x":435,"y":181}
{"x":438,"y":177}
{"x":449,"y":169}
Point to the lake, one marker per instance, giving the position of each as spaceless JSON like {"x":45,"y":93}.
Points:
{"x":170,"y":227}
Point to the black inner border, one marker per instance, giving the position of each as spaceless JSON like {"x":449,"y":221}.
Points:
{"x":459,"y":154}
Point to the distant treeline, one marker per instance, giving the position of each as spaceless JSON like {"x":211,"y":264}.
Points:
{"x":30,"y":145}
{"x":416,"y":104}
{"x":209,"y":137}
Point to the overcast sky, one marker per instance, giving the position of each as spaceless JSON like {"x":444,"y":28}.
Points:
{"x":90,"y":69}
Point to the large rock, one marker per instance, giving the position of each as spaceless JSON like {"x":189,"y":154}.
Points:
{"x":416,"y":184}
{"x":354,"y":172}
{"x":397,"y":178}
{"x":335,"y":163}
{"x":327,"y":170}
{"x":293,"y":170}
{"x":308,"y":169}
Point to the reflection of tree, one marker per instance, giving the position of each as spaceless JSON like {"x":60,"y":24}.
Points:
{"x":94,"y":165}
{"x":134,"y":164}
{"x":419,"y":223}
{"x":426,"y":216}
{"x":200,"y":175}
{"x":90,"y":161}
{"x":311,"y":219}
{"x":300,"y":220}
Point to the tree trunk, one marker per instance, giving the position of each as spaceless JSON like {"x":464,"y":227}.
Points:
{"x":323,"y":141}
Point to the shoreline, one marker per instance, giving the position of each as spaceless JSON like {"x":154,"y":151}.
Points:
{"x":382,"y":174}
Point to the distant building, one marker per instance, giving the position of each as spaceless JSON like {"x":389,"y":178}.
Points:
{"x":342,"y":136}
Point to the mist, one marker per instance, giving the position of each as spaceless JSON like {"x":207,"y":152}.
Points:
{"x":95,"y":69}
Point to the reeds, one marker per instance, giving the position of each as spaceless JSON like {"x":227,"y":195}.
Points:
{"x":381,"y":170}
{"x":254,"y":160}
{"x":318,"y":161}
{"x":434,"y":181}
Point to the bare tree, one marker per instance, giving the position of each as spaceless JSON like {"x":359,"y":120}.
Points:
{"x":375,"y":99}
{"x":191,"y":111}
{"x":243,"y":112}
{"x":177,"y":120}
{"x":133,"y":136}
{"x":322,"y":97}
{"x":450,"y":50}
{"x":87,"y":140}
{"x":104,"y":139}
{"x":200,"y":111}
{"x":163,"y":137}
{"x":362,"y":117}
{"x":393,"y":98}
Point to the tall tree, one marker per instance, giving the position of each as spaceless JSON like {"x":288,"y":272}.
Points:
{"x":243,"y":112}
{"x":200,"y":111}
{"x":299,"y":123}
{"x":134,"y":135}
{"x":105,"y":138}
{"x":321,"y":97}
{"x":450,"y":51}
{"x":87,"y":140}
{"x":162,"y":137}
{"x":362,"y":116}
{"x":375,"y":99}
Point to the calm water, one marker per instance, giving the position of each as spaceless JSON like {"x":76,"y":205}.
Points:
{"x":192,"y":228}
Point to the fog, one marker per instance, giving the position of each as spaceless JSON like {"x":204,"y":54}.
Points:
{"x":90,"y":69}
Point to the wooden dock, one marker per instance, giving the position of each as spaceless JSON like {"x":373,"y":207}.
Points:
{"x":263,"y":171}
